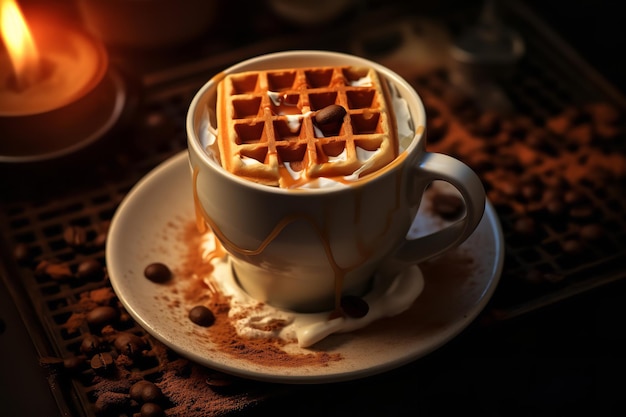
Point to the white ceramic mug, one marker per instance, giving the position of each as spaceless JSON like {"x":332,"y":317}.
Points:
{"x":302,"y":249}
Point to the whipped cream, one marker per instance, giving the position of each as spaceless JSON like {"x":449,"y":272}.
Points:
{"x":361,"y":82}
{"x":389,"y":296}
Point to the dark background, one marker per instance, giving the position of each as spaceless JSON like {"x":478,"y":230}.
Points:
{"x":568,"y":359}
{"x":596,"y":29}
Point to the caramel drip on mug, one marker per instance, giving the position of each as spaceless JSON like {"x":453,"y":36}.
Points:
{"x":200,"y":223}
{"x":202,"y":220}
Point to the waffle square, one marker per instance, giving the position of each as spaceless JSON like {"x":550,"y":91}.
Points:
{"x":267,"y":130}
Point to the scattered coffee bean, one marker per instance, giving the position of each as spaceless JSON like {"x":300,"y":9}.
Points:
{"x":151,"y":410}
{"x":448,"y":206}
{"x":75,"y":236}
{"x":129,"y":344}
{"x":90,"y":344}
{"x":101,"y":315}
{"x":158,"y":272}
{"x":54,"y":270}
{"x":102,"y":362}
{"x":151,"y":393}
{"x":201,"y":316}
{"x":90,"y":268}
{"x":100,"y":240}
{"x":354,"y":307}
{"x":145,"y":392}
{"x":101,"y":237}
{"x":136,"y":390}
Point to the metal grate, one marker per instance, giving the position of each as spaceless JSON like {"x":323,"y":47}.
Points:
{"x":548,"y":82}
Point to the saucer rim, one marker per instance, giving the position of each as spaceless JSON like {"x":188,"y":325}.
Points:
{"x":236,"y":367}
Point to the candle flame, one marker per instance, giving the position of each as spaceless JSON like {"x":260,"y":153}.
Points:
{"x":22,"y":50}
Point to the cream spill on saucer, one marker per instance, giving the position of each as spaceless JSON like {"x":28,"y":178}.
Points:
{"x":389,"y":296}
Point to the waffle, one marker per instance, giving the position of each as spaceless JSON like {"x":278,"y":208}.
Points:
{"x":268,"y":133}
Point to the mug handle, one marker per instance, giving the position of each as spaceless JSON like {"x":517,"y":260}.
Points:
{"x":437,"y":166}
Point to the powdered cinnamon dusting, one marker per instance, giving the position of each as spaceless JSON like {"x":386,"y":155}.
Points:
{"x":192,"y":274}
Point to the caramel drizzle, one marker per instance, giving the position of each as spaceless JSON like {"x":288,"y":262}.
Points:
{"x":204,"y":222}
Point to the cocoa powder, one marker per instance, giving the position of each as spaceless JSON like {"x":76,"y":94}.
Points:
{"x":191,"y":275}
{"x":518,"y":149}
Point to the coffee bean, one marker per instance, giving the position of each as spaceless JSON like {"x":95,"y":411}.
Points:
{"x":100,"y":240}
{"x":330,"y":118}
{"x":129,"y":344}
{"x":101,"y":315}
{"x":151,"y":410}
{"x":354,"y":307}
{"x":90,"y":344}
{"x":54,"y":270}
{"x":151,"y":393}
{"x":201,"y":316}
{"x":102,"y":362}
{"x":75,"y":236}
{"x":158,"y":272}
{"x":330,"y":115}
{"x":145,"y":392}
{"x":136,"y":390}
{"x":89,"y":268}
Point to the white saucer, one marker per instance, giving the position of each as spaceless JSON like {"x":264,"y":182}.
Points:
{"x":145,"y":228}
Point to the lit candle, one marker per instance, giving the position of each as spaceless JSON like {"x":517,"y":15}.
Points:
{"x":55,"y":87}
{"x":42,"y":74}
{"x":20,"y":46}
